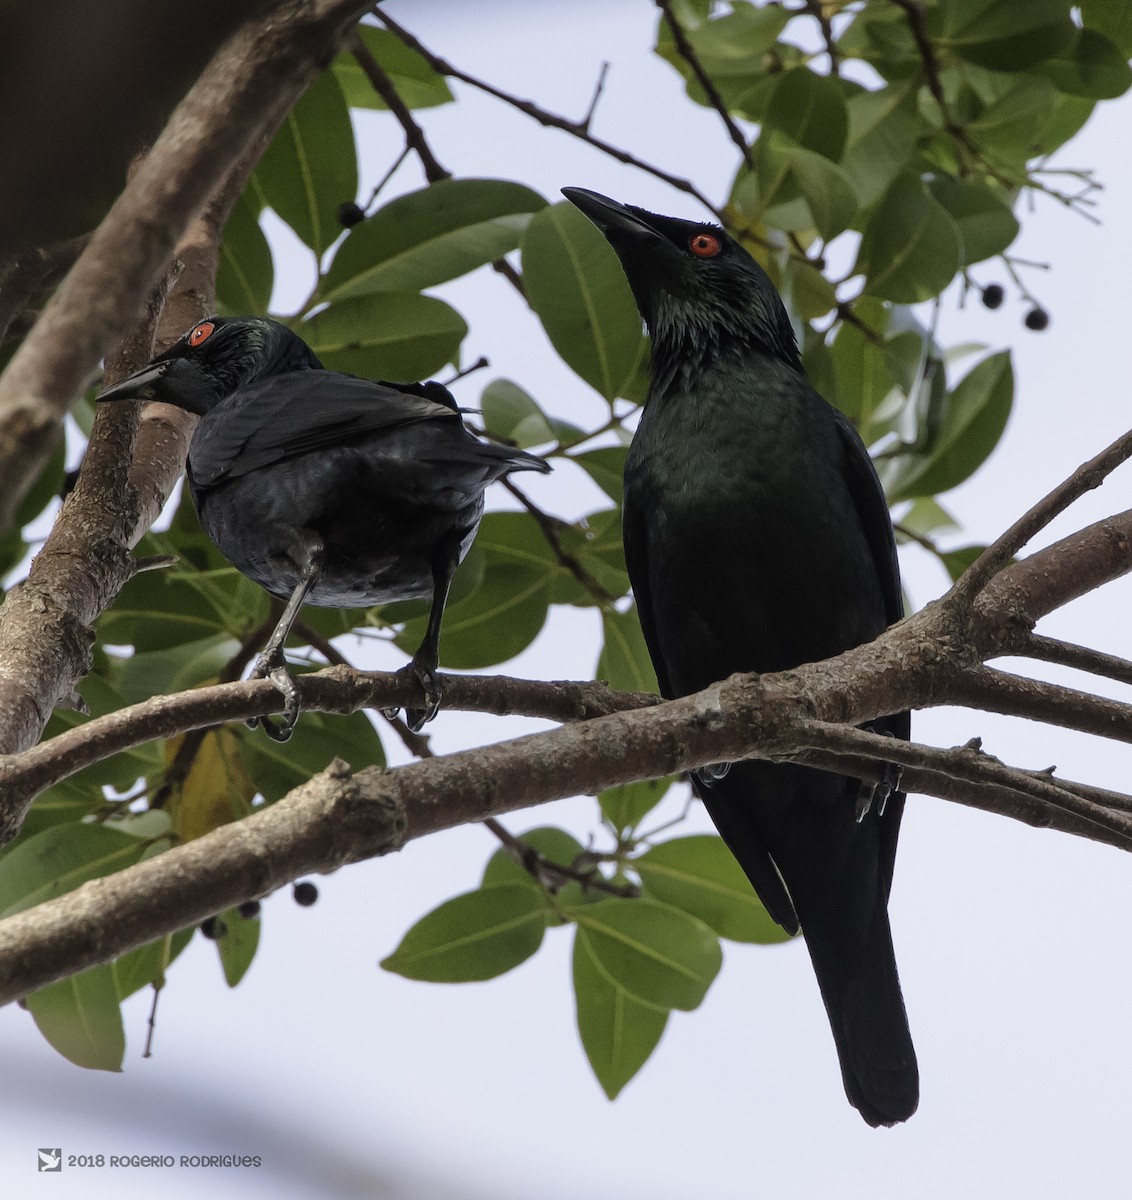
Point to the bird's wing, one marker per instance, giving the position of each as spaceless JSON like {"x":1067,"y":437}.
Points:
{"x":872,"y":509}
{"x":283,"y":416}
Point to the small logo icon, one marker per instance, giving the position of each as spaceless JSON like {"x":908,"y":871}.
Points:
{"x":51,"y":1160}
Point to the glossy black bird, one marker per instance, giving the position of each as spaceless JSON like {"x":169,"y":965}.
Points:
{"x":321,"y":487}
{"x":757,"y":538}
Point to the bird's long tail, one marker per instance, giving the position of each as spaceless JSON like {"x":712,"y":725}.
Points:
{"x":856,"y":971}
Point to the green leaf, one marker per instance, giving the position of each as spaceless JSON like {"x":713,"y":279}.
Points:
{"x":511,"y":414}
{"x":417,"y":84}
{"x":985,"y":223}
{"x":147,"y":964}
{"x":624,"y":663}
{"x":1012,"y":125}
{"x":478,"y":935}
{"x":810,"y":109}
{"x":236,"y":942}
{"x":975,"y":417}
{"x":390,"y":335}
{"x":430,"y":236}
{"x":618,"y":1032}
{"x":576,"y":286}
{"x":699,"y":875}
{"x":1113,"y":18}
{"x":246,"y":272}
{"x":910,"y":250}
{"x":81,"y":1018}
{"x":501,"y":618}
{"x":606,"y":467}
{"x":277,"y":767}
{"x":555,"y":845}
{"x":59,"y":859}
{"x":884,"y":127}
{"x":624,"y":806}
{"x":1090,"y":66}
{"x":862,"y":372}
{"x":958,"y":560}
{"x":311,"y":167}
{"x":1003,"y":34}
{"x":658,"y":954}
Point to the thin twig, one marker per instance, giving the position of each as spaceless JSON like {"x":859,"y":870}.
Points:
{"x":552,"y":875}
{"x":1068,"y":654}
{"x":1087,"y":476}
{"x":549,"y":526}
{"x":687,"y":52}
{"x":578,"y":129}
{"x":387,"y":90}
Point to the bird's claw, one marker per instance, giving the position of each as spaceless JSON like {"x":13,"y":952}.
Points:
{"x":274,"y":668}
{"x":426,"y":676}
{"x":880,"y":792}
{"x":712,"y":773}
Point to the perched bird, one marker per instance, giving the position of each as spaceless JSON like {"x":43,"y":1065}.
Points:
{"x":757,"y":538}
{"x":322,"y":487}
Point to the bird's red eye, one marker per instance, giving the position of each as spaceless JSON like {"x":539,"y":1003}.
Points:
{"x":705,"y":245}
{"x":201,"y":333}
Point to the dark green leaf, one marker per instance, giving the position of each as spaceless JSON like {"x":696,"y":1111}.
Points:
{"x":59,"y":859}
{"x":973,"y":422}
{"x":478,"y":935}
{"x":700,"y":875}
{"x":310,"y":168}
{"x":554,"y":845}
{"x":1003,"y":34}
{"x":148,"y":964}
{"x":985,"y":223}
{"x":910,"y":250}
{"x":417,"y":84}
{"x":389,"y":335}
{"x":862,"y":371}
{"x":625,"y":805}
{"x":81,"y":1018}
{"x":1012,"y":125}
{"x":884,"y":127}
{"x":236,"y":944}
{"x":606,"y":467}
{"x":576,"y":286}
{"x":624,"y":663}
{"x":1090,"y":66}
{"x":430,"y":236}
{"x":1113,"y":18}
{"x":502,"y":617}
{"x":618,"y":1032}
{"x":510,"y":414}
{"x":810,"y":110}
{"x":957,"y":561}
{"x":318,"y":739}
{"x":246,"y":273}
{"x":656,"y":953}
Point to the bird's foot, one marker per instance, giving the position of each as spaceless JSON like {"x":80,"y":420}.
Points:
{"x":426,"y":676}
{"x":879,"y":793}
{"x":274,"y":668}
{"x":712,"y":773}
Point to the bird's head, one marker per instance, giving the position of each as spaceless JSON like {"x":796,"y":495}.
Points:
{"x":699,"y":292}
{"x":213,"y":359}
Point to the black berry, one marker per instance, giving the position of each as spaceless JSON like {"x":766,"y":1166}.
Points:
{"x":249,"y":910}
{"x":1036,"y":319}
{"x":213,"y":928}
{"x":993,"y":295}
{"x":305,"y":893}
{"x":349,"y":214}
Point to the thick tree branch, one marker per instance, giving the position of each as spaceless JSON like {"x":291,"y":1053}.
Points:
{"x":249,"y":85}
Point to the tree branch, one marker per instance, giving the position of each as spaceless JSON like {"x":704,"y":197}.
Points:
{"x":250,"y":84}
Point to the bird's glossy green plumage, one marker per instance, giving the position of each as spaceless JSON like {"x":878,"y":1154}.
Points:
{"x":757,"y":538}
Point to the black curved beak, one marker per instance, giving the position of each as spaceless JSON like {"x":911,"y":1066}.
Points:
{"x":141,"y":385}
{"x":620,"y":224}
